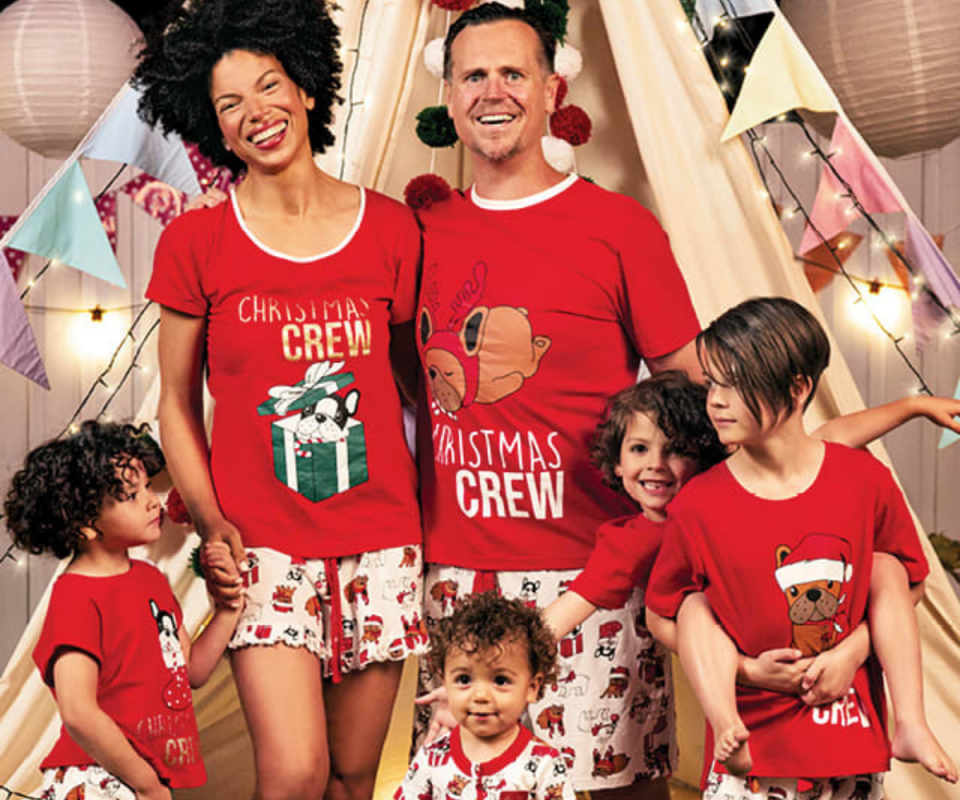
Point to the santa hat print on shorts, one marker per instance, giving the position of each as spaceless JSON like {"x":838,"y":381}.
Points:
{"x":819,"y":557}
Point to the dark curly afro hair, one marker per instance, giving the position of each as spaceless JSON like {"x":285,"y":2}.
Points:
{"x":677,"y":405}
{"x":177,"y":60}
{"x":484,"y":622}
{"x":64,"y":483}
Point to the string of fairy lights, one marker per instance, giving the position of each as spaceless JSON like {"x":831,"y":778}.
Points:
{"x":729,"y":74}
{"x":8,"y":793}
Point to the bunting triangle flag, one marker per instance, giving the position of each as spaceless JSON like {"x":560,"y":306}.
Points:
{"x":64,"y":225}
{"x":928,"y":260}
{"x":930,"y":266}
{"x":120,"y":135}
{"x":712,"y":12}
{"x":949,"y":436}
{"x":18,"y":347}
{"x":782,"y":76}
{"x":833,"y":210}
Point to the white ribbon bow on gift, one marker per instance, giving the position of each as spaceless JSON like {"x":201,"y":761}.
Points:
{"x":286,"y":396}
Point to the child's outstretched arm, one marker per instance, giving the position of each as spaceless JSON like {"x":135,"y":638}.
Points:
{"x":75,"y":679}
{"x":862,"y":427}
{"x":203,"y":655}
{"x":566,"y":612}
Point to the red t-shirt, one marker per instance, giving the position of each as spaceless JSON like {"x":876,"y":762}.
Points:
{"x":532,"y":314}
{"x":128,"y":623}
{"x":794,"y":572}
{"x":621,"y":560}
{"x":307,"y":455}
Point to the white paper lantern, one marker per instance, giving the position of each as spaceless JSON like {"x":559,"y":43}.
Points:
{"x":61,"y":62}
{"x":894,"y":64}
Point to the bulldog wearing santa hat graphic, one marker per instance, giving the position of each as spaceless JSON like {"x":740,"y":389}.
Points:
{"x":814,"y":578}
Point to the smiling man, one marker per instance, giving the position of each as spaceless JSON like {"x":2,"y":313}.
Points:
{"x":541,"y":294}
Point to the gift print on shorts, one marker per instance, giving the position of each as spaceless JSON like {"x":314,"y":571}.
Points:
{"x":320,"y":449}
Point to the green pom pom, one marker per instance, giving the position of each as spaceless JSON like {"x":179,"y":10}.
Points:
{"x":552,"y":15}
{"x":195,"y":563}
{"x":588,"y":179}
{"x":689,"y":7}
{"x":435,"y":128}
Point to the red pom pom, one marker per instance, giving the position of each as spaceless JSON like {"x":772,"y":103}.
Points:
{"x":562,"y":89}
{"x":176,"y":510}
{"x":425,"y":190}
{"x":454,"y":5}
{"x":571,"y":124}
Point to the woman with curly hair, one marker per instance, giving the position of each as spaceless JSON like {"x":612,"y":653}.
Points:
{"x":292,"y":297}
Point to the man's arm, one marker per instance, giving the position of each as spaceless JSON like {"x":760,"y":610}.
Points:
{"x":683,"y":358}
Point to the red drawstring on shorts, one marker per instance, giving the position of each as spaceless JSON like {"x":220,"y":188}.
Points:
{"x":485,"y":580}
{"x":332,"y":568}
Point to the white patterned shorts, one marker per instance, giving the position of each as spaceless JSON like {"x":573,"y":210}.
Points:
{"x":739,"y":787}
{"x":611,"y":713}
{"x":92,"y":782}
{"x":351,"y":611}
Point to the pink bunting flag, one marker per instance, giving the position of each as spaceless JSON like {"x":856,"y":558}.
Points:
{"x":18,"y":347}
{"x":832,"y":212}
{"x":928,"y":262}
{"x":207,"y":173}
{"x":162,"y":202}
{"x":107,"y":211}
{"x":15,"y":258}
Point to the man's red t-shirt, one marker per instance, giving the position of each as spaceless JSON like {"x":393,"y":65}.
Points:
{"x":532,"y":314}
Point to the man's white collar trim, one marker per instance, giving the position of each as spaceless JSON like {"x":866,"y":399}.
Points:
{"x":522,"y":202}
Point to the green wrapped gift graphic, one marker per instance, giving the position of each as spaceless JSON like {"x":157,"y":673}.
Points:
{"x":315,"y":467}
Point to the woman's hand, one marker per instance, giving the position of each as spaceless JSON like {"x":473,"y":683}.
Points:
{"x":224,"y":585}
{"x":221,"y":571}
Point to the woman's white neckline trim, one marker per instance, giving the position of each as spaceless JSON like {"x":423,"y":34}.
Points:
{"x":299,"y":259}
{"x":522,"y":202}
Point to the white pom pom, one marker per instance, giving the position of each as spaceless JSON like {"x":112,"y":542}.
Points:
{"x":567,"y":62}
{"x":433,"y":57}
{"x":559,"y":154}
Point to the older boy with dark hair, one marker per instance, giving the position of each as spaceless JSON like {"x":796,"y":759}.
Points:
{"x":788,"y":539}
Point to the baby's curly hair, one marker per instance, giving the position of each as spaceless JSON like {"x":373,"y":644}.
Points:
{"x":677,"y":405}
{"x":486,"y":621}
{"x":178,"y":57}
{"x":64,"y":482}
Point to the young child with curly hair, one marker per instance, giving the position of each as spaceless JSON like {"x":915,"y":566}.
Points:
{"x":494,"y":655}
{"x":113,"y":648}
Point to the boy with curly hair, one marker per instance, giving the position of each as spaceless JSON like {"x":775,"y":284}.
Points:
{"x":495,"y":656}
{"x":113,"y":647}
